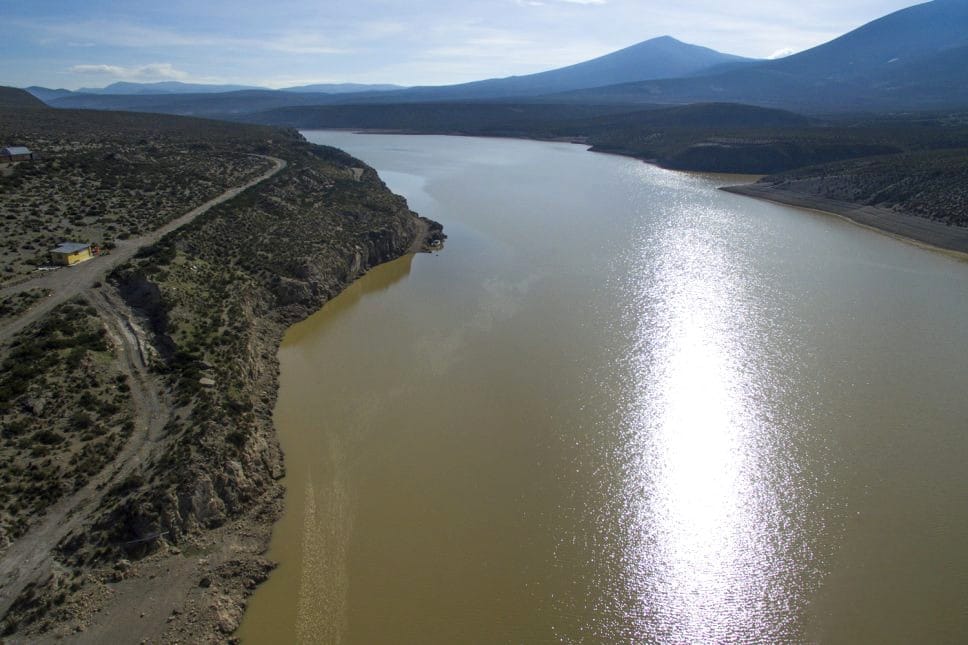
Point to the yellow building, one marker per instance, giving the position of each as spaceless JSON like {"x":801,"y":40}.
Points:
{"x":71,"y":253}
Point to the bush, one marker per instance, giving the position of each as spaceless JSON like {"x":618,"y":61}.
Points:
{"x":81,"y":420}
{"x":47,"y":437}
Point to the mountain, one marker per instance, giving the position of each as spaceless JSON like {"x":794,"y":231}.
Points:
{"x":165,"y":87}
{"x":12,"y":97}
{"x":890,"y":63}
{"x":913,"y":59}
{"x":657,"y":58}
{"x":663,"y":57}
{"x":342,"y":88}
{"x":46,"y":94}
{"x":877,"y":47}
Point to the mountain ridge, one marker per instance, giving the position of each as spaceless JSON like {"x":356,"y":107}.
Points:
{"x":862,"y":69}
{"x":912,"y":59}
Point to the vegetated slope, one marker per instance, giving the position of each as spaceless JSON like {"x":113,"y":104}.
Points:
{"x":933,"y":185}
{"x":13,"y":98}
{"x":873,"y":67}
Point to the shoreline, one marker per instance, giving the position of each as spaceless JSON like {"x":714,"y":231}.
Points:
{"x":910,"y":229}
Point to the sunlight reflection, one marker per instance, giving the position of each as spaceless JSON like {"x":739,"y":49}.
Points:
{"x":694,"y":491}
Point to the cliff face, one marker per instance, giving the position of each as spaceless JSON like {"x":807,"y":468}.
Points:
{"x":217,"y":297}
{"x":223,"y":456}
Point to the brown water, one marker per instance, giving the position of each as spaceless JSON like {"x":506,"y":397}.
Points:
{"x":622,"y":406}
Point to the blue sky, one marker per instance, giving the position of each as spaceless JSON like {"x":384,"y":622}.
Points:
{"x":75,"y":43}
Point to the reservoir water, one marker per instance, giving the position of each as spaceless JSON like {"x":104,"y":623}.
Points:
{"x":621,"y":406}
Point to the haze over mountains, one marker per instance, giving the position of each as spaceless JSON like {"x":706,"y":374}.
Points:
{"x":916,"y":58}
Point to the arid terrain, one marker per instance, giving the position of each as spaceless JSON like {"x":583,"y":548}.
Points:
{"x":138,"y":387}
{"x":102,"y":184}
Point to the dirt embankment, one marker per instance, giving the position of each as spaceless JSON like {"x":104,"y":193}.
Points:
{"x":920,"y":195}
{"x":900,"y":224}
{"x":177,"y":544}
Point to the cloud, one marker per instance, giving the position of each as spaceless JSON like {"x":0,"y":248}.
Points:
{"x":782,"y":53}
{"x":153,"y":71}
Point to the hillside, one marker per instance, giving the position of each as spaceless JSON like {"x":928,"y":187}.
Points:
{"x":920,"y":196}
{"x":926,"y":184}
{"x":458,"y":117}
{"x":13,"y":98}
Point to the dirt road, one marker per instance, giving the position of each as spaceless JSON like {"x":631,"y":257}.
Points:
{"x":67,"y":282}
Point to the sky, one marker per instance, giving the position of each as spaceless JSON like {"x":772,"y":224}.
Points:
{"x":281,"y":43}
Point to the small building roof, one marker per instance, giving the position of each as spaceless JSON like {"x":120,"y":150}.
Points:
{"x":70,"y":247}
{"x":16,"y":150}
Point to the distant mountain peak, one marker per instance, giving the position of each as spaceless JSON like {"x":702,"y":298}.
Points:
{"x":914,"y":58}
{"x":655,"y":58}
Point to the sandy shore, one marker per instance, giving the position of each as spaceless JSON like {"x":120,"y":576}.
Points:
{"x":910,"y":228}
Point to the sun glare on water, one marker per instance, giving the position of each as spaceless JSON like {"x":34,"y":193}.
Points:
{"x":700,"y":553}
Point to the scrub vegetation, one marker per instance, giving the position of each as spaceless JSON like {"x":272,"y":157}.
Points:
{"x":64,"y":412}
{"x":927,"y":184}
{"x":116,"y":178}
